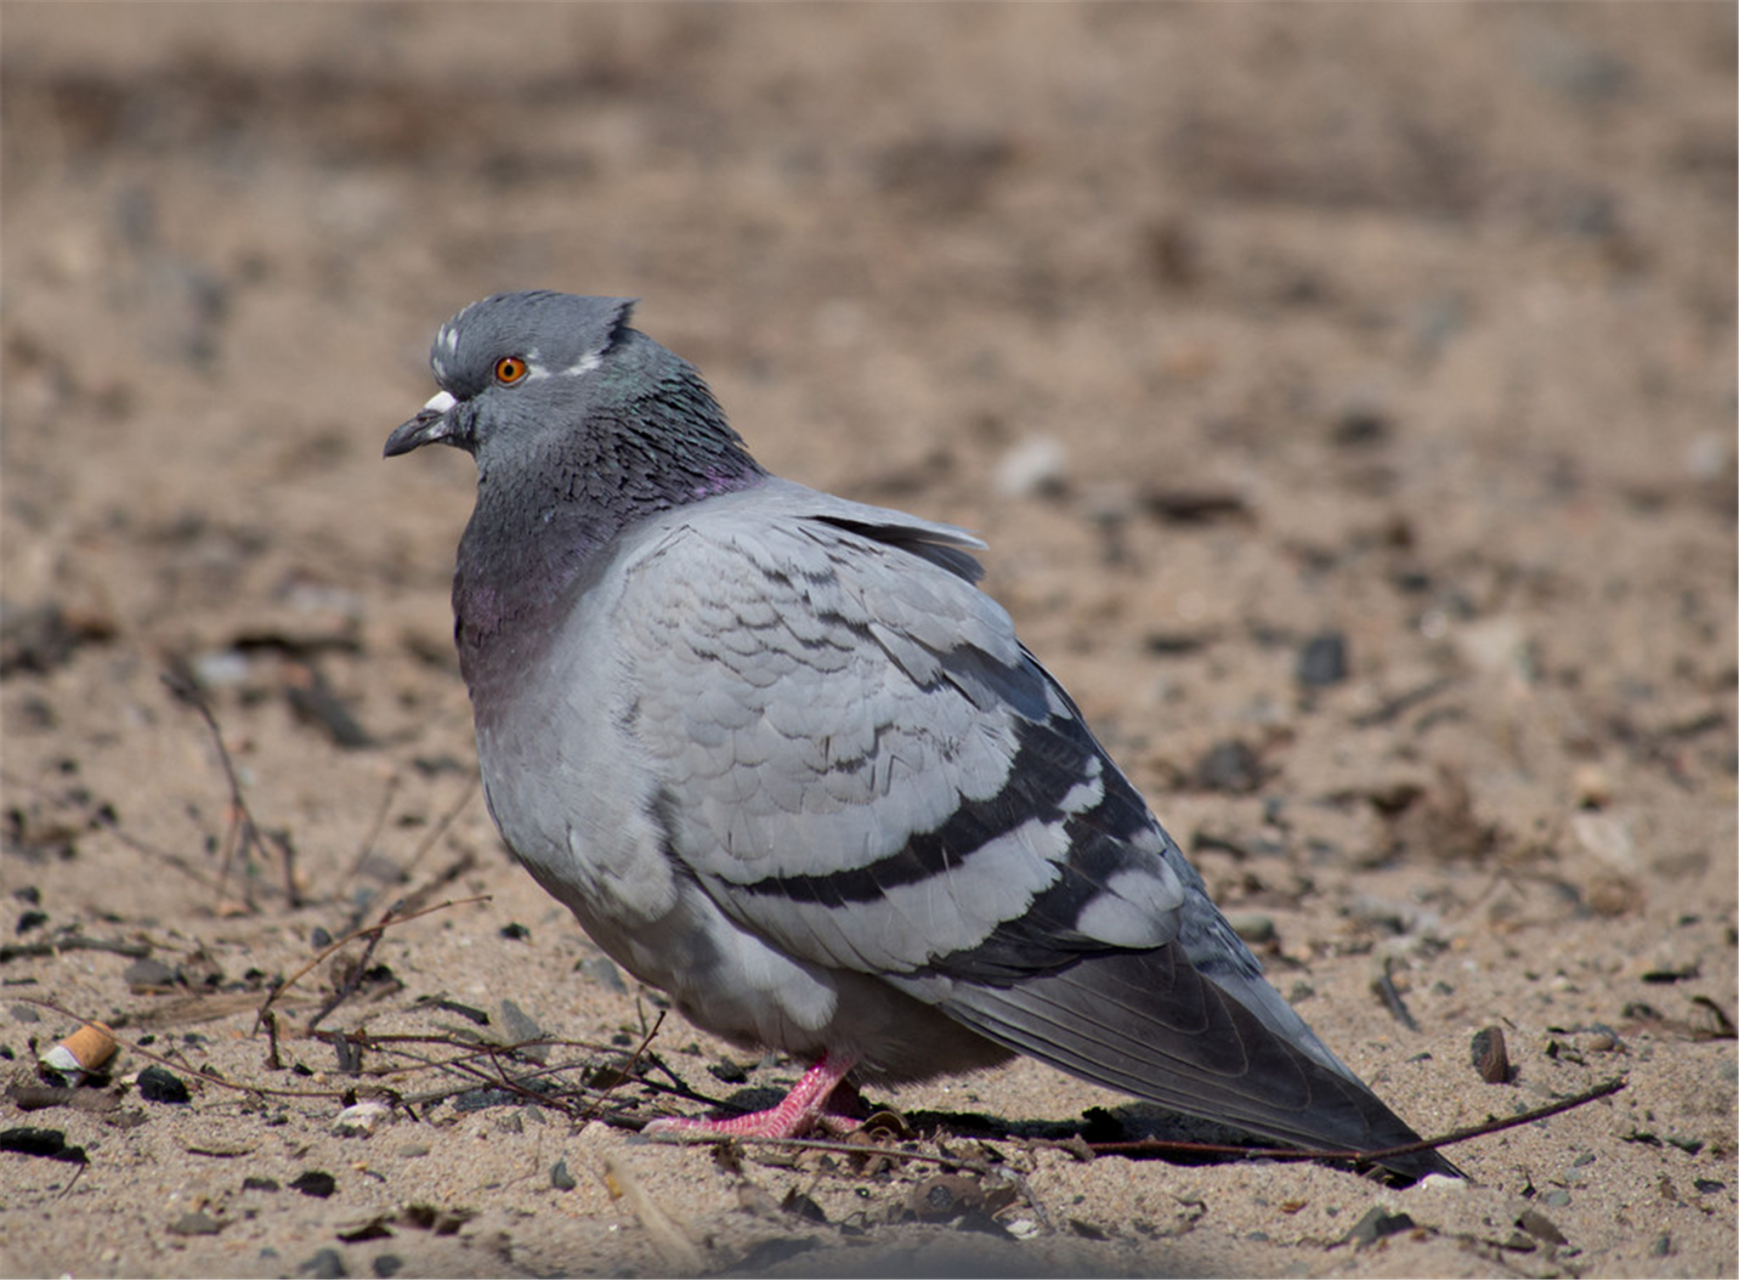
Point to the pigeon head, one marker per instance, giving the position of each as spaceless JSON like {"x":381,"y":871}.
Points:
{"x":558,"y":384}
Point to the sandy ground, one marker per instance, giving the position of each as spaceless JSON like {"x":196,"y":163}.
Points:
{"x":1231,"y":328}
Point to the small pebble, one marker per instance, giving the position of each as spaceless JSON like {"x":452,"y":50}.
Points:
{"x":1592,"y":786}
{"x":148,"y":973}
{"x":195,"y":1224}
{"x":1229,"y":766}
{"x":1558,"y":1199}
{"x":1257,"y":930}
{"x":1491,"y":1057}
{"x":388,"y":1264}
{"x":361,"y":1120}
{"x":602,"y":970}
{"x":560,"y":1178}
{"x":1038,"y":465}
{"x":219,"y":668}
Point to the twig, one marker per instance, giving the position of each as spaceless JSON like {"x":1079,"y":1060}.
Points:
{"x":1157,"y":1146}
{"x":244,"y":832}
{"x":273,"y":1061}
{"x":440,"y":828}
{"x":368,"y":840}
{"x":633,"y":1061}
{"x":1401,"y":703}
{"x":373,"y":930}
{"x":74,"y":942}
{"x":352,"y":982}
{"x":1384,"y":986}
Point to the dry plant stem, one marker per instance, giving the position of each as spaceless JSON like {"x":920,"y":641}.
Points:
{"x":373,"y":930}
{"x":270,"y":1021}
{"x":76,"y":942}
{"x":95,"y":814}
{"x":440,"y":828}
{"x":368,"y":840}
{"x":1154,"y":1146}
{"x":353,"y":979}
{"x":244,"y":832}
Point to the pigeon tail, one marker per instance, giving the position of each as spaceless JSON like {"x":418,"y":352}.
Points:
{"x":1151,"y":1025}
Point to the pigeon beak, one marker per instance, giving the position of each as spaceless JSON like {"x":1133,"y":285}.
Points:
{"x":431,"y":424}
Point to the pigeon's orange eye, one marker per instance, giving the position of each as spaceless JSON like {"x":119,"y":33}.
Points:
{"x":510,"y":369}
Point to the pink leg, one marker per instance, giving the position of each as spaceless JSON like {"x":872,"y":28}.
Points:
{"x":803,"y":1109}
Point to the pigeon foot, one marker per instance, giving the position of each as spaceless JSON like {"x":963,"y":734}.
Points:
{"x":802,"y":1111}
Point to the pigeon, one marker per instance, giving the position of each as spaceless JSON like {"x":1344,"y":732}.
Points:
{"x":786,"y":762}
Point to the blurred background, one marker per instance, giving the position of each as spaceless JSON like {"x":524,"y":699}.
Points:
{"x":1347,"y":393}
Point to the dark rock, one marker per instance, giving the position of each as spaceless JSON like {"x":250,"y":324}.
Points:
{"x":1359,"y":427}
{"x":158,"y":1085}
{"x":519,"y":1027}
{"x":388,"y":1264}
{"x":560,"y":1178}
{"x":1323,"y":660}
{"x":1541,"y":1227}
{"x":47,"y":1143}
{"x":765,"y":1255}
{"x":328,"y":1264}
{"x":39,"y":640}
{"x":1377,"y":1223}
{"x":315,"y":1183}
{"x":602,"y":970}
{"x":801,"y":1206}
{"x":1229,"y":766}
{"x":149,"y":973}
{"x":195,"y":1224}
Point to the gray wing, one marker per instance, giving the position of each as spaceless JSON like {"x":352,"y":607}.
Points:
{"x":866,"y":768}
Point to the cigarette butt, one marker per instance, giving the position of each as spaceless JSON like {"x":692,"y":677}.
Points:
{"x":86,"y":1049}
